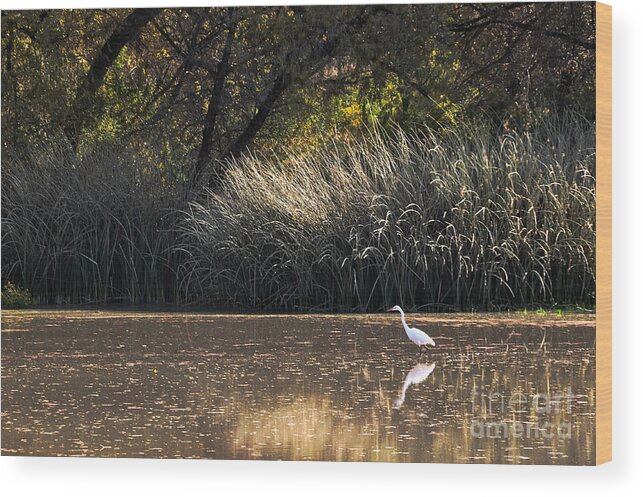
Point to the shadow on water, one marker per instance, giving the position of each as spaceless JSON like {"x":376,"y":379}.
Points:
{"x":296,"y":387}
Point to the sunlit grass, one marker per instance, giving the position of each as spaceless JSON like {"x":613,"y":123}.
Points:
{"x":458,"y":219}
{"x":462,"y":218}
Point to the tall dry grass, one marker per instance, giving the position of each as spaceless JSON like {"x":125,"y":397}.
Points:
{"x":457,"y":218}
{"x":97,"y":229}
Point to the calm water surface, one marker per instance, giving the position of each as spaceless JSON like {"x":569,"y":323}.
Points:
{"x":339,"y":388}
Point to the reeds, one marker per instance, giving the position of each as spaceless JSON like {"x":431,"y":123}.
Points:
{"x":461,"y":218}
{"x":458,"y":218}
{"x":92,"y":230}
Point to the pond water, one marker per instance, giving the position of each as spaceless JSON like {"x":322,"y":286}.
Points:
{"x":336,"y":388}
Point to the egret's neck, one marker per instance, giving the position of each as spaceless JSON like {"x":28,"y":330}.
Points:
{"x":406,"y":326}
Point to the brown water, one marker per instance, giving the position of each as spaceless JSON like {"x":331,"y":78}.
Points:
{"x":338,"y":388}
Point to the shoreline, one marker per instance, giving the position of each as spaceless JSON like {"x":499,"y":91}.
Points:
{"x":531,"y":318}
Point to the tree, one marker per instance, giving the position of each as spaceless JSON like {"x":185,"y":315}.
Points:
{"x":192,"y":88}
{"x":82,"y":107}
{"x":525,"y":56}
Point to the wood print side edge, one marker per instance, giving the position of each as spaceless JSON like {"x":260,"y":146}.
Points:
{"x":603,"y":233}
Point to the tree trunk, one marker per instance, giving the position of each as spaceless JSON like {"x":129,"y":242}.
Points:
{"x":279,"y":85}
{"x":84,"y":102}
{"x":214,"y":106}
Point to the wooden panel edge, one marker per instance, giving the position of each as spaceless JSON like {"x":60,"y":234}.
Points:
{"x":603,"y":233}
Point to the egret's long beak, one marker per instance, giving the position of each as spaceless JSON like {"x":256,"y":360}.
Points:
{"x":390,"y":310}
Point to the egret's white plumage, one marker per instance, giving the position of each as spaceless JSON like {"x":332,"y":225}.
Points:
{"x":418,"y":337}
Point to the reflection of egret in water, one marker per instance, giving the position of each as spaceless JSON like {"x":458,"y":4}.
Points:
{"x":417,"y":375}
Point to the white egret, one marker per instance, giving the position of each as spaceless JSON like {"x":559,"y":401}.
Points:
{"x":415,"y":376}
{"x":418,"y":337}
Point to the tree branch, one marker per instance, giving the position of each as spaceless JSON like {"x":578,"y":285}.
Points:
{"x":93,"y":80}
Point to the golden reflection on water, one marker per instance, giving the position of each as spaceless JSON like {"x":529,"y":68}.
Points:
{"x":310,"y":387}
